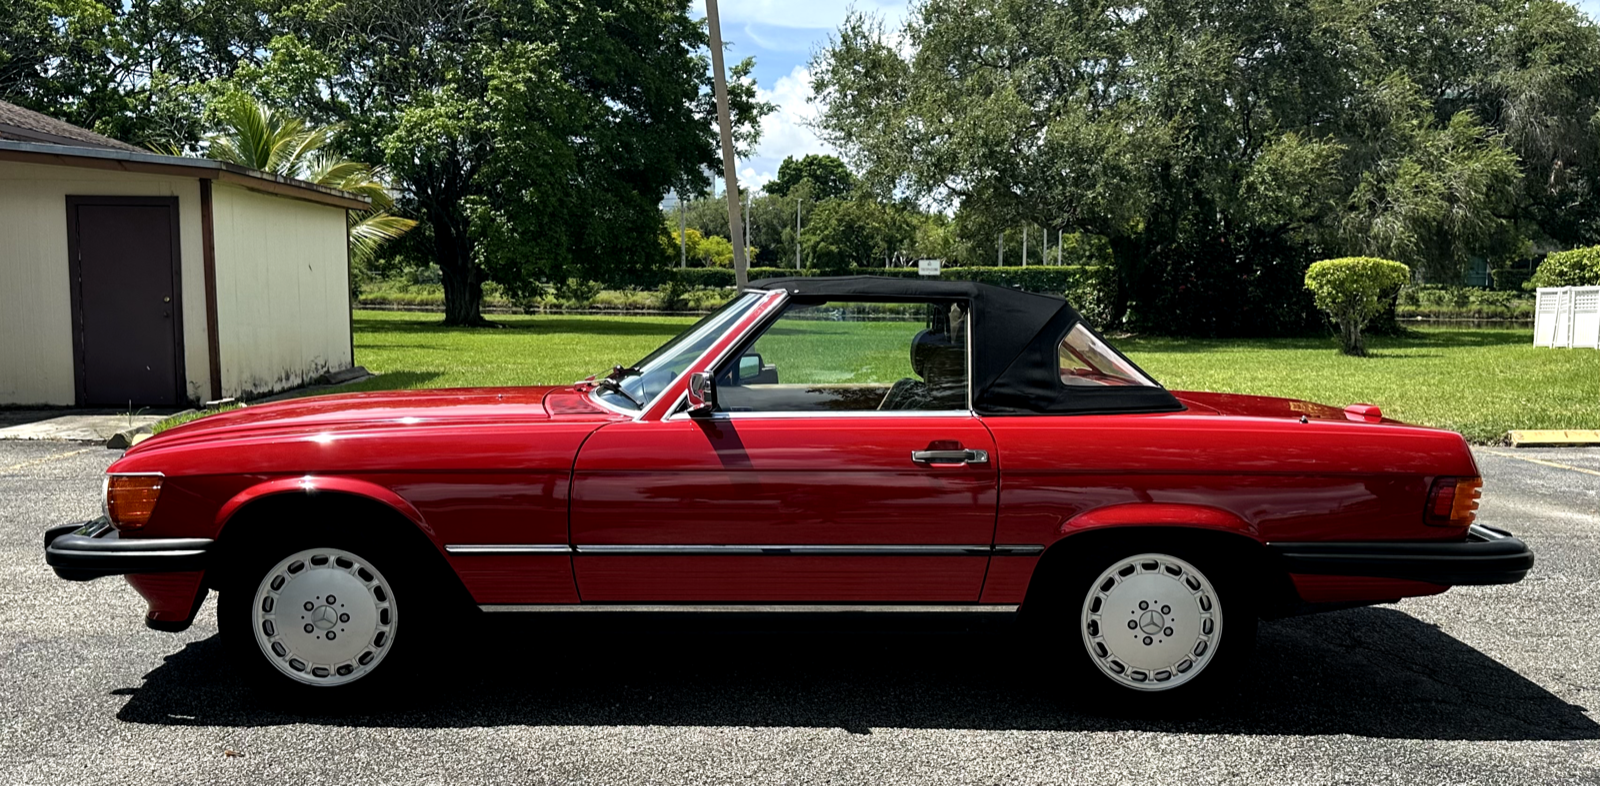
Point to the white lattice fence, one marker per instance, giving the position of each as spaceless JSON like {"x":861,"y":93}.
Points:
{"x":1567,"y":317}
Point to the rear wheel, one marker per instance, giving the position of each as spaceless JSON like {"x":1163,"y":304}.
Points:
{"x":1151,"y":622}
{"x":1154,"y":631}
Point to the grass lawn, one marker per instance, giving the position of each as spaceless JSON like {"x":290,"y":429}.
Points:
{"x":1480,"y":382}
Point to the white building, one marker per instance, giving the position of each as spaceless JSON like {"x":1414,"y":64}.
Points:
{"x":128,"y":277}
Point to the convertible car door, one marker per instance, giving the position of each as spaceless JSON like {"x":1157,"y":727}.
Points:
{"x":843,"y":466}
{"x":762,"y":509}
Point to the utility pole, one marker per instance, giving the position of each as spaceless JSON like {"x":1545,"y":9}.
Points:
{"x":1000,"y":250}
{"x":730,"y":174}
{"x":1024,"y":245}
{"x":683,"y":240}
{"x":797,"y":232}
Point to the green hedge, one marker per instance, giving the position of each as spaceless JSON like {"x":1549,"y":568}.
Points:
{"x":1579,"y":267}
{"x":715,"y":277}
{"x":1438,"y":302}
{"x":1087,"y":287}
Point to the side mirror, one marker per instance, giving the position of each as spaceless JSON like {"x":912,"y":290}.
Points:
{"x":702,"y":394}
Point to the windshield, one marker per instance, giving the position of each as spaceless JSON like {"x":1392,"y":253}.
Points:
{"x":646,"y":379}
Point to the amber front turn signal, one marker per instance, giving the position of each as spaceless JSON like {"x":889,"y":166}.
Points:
{"x":130,"y":499}
{"x":1453,"y":502}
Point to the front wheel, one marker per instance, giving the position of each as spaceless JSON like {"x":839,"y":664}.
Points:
{"x":317,"y":618}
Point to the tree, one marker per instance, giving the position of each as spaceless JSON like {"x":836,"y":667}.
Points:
{"x":829,"y":177}
{"x":1354,"y":290}
{"x":702,"y":250}
{"x":845,"y":233}
{"x":135,"y":71}
{"x":1221,"y":149}
{"x":255,"y":136}
{"x":594,"y":114}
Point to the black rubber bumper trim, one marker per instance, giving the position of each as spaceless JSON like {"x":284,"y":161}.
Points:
{"x":1487,"y":556}
{"x":81,"y":552}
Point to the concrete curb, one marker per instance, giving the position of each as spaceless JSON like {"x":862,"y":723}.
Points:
{"x":1550,"y":438}
{"x":124,"y":439}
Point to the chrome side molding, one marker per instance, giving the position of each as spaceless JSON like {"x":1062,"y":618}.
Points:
{"x":755,"y":608}
{"x":712,"y":550}
{"x":508,"y":548}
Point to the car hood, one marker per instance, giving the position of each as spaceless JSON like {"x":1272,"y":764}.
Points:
{"x":397,"y":408}
{"x":1239,"y":405}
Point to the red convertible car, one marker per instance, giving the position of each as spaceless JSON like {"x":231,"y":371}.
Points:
{"x":848,"y":444}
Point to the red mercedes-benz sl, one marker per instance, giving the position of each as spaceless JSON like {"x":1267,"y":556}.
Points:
{"x":845,"y":445}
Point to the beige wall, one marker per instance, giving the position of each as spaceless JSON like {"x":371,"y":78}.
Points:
{"x":36,"y":365}
{"x":282,"y":290}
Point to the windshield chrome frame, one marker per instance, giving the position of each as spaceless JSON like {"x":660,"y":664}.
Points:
{"x":764,"y":298}
{"x":676,"y":410}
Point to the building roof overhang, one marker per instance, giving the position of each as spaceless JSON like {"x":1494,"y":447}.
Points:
{"x":178,"y":166}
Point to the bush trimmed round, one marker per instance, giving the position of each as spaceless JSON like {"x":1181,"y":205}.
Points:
{"x":1579,"y":267}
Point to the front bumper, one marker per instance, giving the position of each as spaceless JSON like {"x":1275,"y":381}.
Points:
{"x":80,"y":552}
{"x":1487,"y":556}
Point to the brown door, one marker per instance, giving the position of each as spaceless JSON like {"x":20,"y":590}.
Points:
{"x":124,"y":267}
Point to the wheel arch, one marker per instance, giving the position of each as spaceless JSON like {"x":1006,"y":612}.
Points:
{"x":259,"y":512}
{"x":1061,"y":558}
{"x":313,"y":486}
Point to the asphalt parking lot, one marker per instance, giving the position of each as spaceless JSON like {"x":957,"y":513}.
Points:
{"x":1479,"y":685}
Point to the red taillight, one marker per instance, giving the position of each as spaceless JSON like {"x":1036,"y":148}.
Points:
{"x":130,"y":499}
{"x":1453,"y":502}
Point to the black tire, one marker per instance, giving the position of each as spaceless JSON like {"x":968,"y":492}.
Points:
{"x":288,"y":650}
{"x":1119,"y":670}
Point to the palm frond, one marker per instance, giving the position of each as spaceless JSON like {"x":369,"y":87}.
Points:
{"x":254,"y":135}
{"x":369,"y":230}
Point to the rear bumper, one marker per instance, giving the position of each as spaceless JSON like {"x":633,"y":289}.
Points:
{"x":80,"y":552}
{"x":1487,"y":556}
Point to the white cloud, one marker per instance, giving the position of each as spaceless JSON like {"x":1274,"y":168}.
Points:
{"x":784,"y":132}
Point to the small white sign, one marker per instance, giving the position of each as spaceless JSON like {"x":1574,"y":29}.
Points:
{"x":928,"y":267}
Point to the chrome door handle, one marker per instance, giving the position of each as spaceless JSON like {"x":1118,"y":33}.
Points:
{"x":950,"y":456}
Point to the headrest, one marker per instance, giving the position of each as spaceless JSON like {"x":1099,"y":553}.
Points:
{"x":932,"y":352}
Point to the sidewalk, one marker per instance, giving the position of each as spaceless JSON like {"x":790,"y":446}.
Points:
{"x":73,"y":425}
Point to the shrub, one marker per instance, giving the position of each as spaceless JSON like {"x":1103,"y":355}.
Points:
{"x":672,"y":295}
{"x":1353,"y":290}
{"x":577,"y":293}
{"x":1579,"y":267}
{"x":1430,"y":301}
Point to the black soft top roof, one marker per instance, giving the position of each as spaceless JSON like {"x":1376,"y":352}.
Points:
{"x":1015,"y":341}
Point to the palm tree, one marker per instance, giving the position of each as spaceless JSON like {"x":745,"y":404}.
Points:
{"x":254,"y":135}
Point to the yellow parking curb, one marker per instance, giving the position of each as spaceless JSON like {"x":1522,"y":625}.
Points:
{"x":1537,"y":438}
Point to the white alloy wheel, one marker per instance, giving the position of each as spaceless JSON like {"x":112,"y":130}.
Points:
{"x":1151,"y":622}
{"x":324,"y":617}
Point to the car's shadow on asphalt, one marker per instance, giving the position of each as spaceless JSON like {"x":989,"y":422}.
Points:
{"x":1369,"y":672}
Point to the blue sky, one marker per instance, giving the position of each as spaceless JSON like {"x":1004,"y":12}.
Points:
{"x":781,"y":35}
